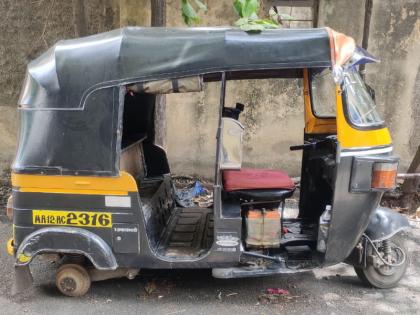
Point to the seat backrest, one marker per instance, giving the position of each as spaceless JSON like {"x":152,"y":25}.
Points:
{"x":231,"y":144}
{"x":131,"y":160}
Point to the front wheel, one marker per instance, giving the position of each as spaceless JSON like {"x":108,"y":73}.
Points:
{"x":386,"y":265}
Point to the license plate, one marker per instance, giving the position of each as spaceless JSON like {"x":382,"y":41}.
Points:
{"x":72,"y":218}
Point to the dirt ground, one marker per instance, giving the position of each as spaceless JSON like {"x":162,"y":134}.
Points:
{"x":5,"y":191}
{"x":333,"y":290}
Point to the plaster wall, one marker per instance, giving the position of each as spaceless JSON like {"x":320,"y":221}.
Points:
{"x":273,"y":117}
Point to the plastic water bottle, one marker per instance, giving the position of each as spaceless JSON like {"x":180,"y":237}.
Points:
{"x":324,"y":225}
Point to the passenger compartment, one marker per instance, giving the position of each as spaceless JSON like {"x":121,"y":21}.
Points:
{"x":175,"y":232}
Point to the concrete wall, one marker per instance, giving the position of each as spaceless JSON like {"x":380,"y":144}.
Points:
{"x":28,"y":28}
{"x":273,"y":116}
{"x":395,"y":40}
{"x":274,"y":111}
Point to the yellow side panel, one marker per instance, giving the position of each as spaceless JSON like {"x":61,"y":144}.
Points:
{"x":120,"y":185}
{"x":9,"y":247}
{"x":350,"y":137}
{"x":314,"y":125}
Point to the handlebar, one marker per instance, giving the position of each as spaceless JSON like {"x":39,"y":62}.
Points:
{"x":303,"y":146}
{"x":314,"y":144}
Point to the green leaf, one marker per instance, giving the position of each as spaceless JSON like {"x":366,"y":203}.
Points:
{"x":242,"y":21}
{"x":251,"y":27}
{"x":266,"y":23}
{"x":201,"y":5}
{"x":258,"y":25}
{"x":285,"y":17}
{"x":238,"y":5}
{"x":188,"y":13}
{"x":250,"y":8}
{"x":253,"y":16}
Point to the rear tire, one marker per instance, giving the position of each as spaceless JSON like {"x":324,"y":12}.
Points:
{"x":72,"y":280}
{"x":380,"y":278}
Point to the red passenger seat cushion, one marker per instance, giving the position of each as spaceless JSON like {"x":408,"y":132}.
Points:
{"x":250,"y":178}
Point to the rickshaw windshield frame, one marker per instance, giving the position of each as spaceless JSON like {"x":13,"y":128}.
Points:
{"x":359,"y":88}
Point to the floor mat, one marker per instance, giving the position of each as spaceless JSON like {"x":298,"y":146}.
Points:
{"x":188,"y":234}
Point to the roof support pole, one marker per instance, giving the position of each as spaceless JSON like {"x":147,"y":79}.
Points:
{"x":158,"y":18}
{"x":217,"y":189}
{"x":219,"y":128}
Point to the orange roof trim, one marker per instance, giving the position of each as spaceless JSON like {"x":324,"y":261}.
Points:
{"x":342,"y":47}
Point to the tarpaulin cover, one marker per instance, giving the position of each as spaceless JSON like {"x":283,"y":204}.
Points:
{"x":64,"y":75}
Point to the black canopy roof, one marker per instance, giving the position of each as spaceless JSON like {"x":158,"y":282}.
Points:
{"x":68,"y":72}
{"x":71,"y":121}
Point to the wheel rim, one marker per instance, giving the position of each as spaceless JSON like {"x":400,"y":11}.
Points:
{"x":72,"y":280}
{"x":395,"y":257}
{"x":386,"y":264}
{"x":68,"y":284}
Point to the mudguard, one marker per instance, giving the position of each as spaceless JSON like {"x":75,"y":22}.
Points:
{"x":66,"y":240}
{"x":385,"y":223}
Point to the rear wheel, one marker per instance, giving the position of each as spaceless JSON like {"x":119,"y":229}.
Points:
{"x":386,"y":271}
{"x":72,"y":280}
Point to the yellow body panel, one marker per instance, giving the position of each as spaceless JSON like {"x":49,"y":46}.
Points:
{"x":9,"y":247}
{"x":76,"y":191}
{"x":120,"y":185}
{"x":23,"y":258}
{"x":314,"y":125}
{"x":349,"y":137}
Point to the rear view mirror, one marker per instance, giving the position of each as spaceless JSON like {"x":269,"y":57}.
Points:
{"x":231,"y":144}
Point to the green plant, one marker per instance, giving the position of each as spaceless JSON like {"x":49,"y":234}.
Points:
{"x":189,"y":13}
{"x":248,"y":16}
{"x":247,"y":11}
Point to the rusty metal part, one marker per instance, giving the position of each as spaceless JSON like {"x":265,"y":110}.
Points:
{"x":99,"y":275}
{"x":72,"y":280}
{"x":382,"y":259}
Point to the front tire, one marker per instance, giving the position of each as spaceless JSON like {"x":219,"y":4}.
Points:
{"x":383,"y":276}
{"x":72,"y":280}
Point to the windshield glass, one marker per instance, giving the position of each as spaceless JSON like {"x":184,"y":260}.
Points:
{"x":323,"y":94}
{"x":361,"y":109}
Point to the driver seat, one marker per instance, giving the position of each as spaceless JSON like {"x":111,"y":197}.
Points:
{"x":258,"y":184}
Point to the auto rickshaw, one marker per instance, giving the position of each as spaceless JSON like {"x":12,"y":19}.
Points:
{"x":91,"y":187}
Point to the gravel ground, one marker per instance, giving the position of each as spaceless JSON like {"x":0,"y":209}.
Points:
{"x":333,"y":290}
{"x":5,"y":191}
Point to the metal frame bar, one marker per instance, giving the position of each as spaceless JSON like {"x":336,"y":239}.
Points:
{"x":366,"y":31}
{"x":217,"y":188}
{"x":294,"y":3}
{"x":219,"y":128}
{"x":313,"y":4}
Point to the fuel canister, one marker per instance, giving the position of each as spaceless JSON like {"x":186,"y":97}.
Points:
{"x":263,"y":228}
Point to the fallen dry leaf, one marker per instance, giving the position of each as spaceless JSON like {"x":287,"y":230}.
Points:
{"x":150,"y":287}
